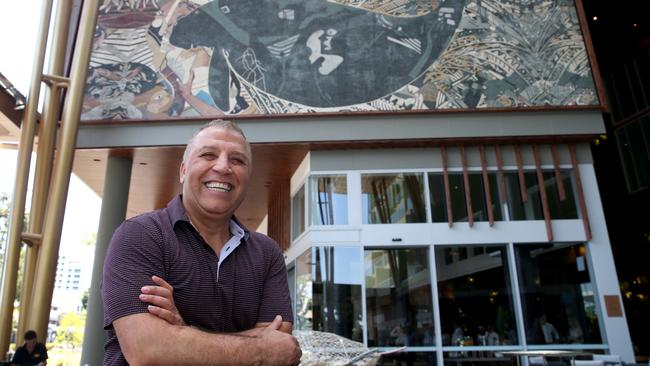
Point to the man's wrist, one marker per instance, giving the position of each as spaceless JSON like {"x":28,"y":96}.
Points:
{"x":258,"y":350}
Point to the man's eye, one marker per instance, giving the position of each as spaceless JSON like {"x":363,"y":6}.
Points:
{"x":207,"y":155}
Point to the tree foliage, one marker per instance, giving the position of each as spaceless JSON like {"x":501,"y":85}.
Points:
{"x":70,"y":332}
{"x":84,"y":300}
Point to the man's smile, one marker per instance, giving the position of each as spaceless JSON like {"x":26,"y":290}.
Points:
{"x":218,"y":186}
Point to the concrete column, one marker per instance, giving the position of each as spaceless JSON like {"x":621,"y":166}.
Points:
{"x":113,"y":212}
{"x":616,"y":333}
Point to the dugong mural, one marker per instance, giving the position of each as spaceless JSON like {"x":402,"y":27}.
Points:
{"x":160,"y":59}
{"x":314,"y":52}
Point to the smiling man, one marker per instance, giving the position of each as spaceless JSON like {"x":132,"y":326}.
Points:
{"x":229,"y":284}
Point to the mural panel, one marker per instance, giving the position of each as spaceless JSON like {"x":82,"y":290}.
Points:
{"x":160,"y":59}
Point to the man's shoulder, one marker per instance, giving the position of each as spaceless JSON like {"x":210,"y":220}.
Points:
{"x":263,"y":244}
{"x":150,"y":219}
{"x":262,"y":241}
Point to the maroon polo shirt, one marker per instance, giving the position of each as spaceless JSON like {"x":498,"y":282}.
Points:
{"x":249,"y":287}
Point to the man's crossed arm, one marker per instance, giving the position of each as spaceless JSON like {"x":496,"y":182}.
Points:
{"x":162,"y":338}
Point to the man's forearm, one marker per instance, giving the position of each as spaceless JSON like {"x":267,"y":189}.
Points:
{"x":148,"y":340}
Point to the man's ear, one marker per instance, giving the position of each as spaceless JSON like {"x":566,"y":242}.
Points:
{"x":181,"y":173}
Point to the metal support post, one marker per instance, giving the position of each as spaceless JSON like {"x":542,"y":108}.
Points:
{"x":45,"y":156}
{"x":20,"y":188}
{"x":46,"y":270}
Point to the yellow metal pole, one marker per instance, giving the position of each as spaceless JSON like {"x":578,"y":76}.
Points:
{"x":46,"y":270}
{"x":20,"y":188}
{"x":45,"y":155}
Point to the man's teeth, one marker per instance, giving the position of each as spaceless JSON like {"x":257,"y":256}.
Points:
{"x":217,"y":186}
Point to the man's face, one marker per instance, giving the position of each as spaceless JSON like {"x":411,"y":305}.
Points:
{"x":215,"y":173}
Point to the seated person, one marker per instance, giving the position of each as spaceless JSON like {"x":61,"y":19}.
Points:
{"x":32,"y":353}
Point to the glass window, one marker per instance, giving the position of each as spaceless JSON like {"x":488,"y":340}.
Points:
{"x":393,"y":198}
{"x":458,"y":201}
{"x":337,"y":291}
{"x":409,"y":358}
{"x":639,"y":152}
{"x":437,"y":197}
{"x":475,"y":296}
{"x":398,"y":297}
{"x":558,"y":298}
{"x":479,"y":201}
{"x":532,"y":209}
{"x":328,"y":200}
{"x":560,"y":209}
{"x":457,"y":192}
{"x":298,"y":213}
{"x":482,"y":358}
{"x":304,"y":283}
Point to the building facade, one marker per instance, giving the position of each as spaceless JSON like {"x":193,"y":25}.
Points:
{"x":425,"y":165}
{"x":376,"y":258}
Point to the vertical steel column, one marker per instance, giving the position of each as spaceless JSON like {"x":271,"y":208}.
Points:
{"x":45,"y":155}
{"x":20,"y":188}
{"x":114,"y":203}
{"x":46,"y":270}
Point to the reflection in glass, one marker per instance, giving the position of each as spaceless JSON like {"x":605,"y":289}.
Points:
{"x":475,"y":296}
{"x":557,"y":294}
{"x":393,"y":198}
{"x":532,"y":208}
{"x":437,"y":197}
{"x":398,"y":297}
{"x":457,"y":193}
{"x":409,"y":358}
{"x":481,"y":358}
{"x":479,"y":200}
{"x":457,"y":197}
{"x":337,"y":291}
{"x":328,"y":203}
{"x":566,"y":209}
{"x":298,"y":213}
{"x":304,"y":297}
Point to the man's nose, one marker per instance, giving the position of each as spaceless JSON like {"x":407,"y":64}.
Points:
{"x":222,"y":165}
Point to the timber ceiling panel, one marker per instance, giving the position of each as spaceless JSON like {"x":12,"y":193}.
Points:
{"x":154,"y":178}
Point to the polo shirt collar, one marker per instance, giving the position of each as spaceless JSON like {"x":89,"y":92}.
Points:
{"x":177,"y":213}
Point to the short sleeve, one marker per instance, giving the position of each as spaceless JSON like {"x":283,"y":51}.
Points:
{"x":276,"y":299}
{"x":19,"y":356}
{"x":43,"y":356}
{"x":134,"y":254}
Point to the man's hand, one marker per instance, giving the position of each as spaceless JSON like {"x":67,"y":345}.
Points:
{"x":279,"y":347}
{"x":161,"y":300}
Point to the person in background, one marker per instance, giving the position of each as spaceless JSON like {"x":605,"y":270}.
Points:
{"x":548,"y":330}
{"x":32,"y":353}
